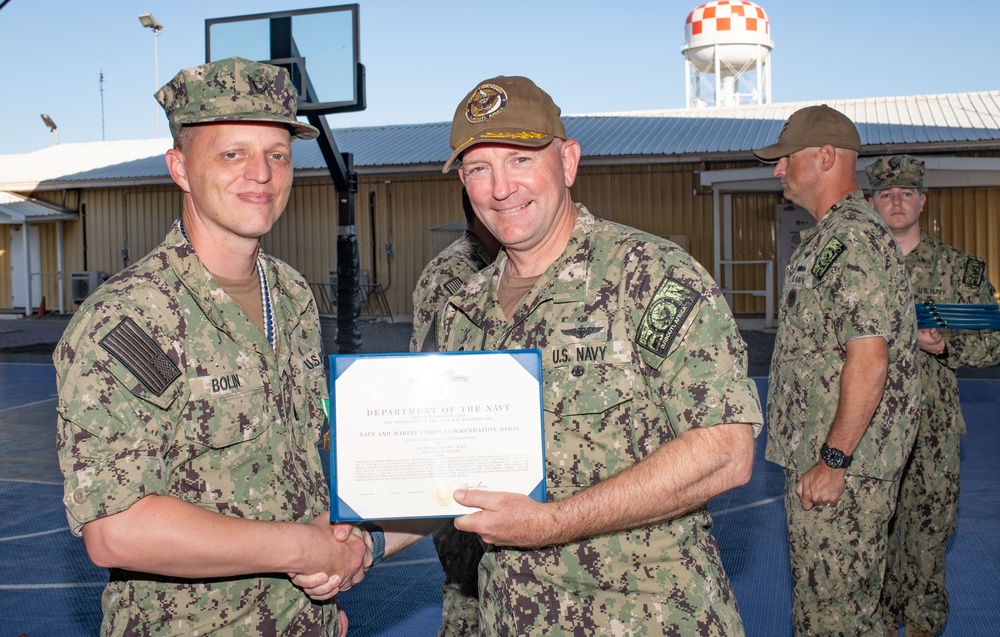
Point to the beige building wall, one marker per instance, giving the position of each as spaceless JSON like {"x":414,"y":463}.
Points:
{"x":120,"y":225}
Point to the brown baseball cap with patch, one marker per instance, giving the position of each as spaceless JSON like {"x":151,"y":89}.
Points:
{"x":809,"y":127}
{"x":504,"y":110}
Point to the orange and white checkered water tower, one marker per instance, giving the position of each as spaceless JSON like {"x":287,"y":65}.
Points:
{"x":727,"y":54}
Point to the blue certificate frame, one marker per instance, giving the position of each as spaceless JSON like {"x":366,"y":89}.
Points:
{"x":406,"y":430}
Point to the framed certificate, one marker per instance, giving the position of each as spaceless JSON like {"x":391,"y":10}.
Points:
{"x":409,"y":429}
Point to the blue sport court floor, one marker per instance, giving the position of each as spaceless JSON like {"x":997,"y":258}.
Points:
{"x":49,"y":587}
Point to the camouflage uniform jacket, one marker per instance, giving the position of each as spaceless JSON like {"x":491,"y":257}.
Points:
{"x":167,"y":387}
{"x":943,"y":274}
{"x":846,"y":280}
{"x":442,"y":277}
{"x":638,"y":346}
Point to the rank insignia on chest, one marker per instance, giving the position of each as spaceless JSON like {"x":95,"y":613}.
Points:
{"x":974,"y":269}
{"x":668,"y":309}
{"x":830,"y":252}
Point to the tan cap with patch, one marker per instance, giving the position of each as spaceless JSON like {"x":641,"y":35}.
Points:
{"x":504,"y":110}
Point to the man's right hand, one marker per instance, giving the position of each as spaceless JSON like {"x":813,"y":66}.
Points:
{"x":339,"y":564}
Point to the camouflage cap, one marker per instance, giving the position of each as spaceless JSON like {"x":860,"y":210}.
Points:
{"x":895,"y":171}
{"x":504,"y":110}
{"x":232,"y":90}
{"x":812,"y":126}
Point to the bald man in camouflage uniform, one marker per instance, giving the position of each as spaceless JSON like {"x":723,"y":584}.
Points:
{"x":446,"y":274}
{"x":844,"y":386}
{"x":190,"y":394}
{"x":927,"y":509}
{"x":648,"y":409}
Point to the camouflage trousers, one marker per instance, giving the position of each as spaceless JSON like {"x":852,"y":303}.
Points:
{"x":459,"y":553}
{"x":838,"y":558}
{"x":926,"y":514}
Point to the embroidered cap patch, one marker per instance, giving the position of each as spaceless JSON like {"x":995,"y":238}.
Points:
{"x":486,"y":102}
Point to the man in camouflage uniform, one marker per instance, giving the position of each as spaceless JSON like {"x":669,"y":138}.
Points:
{"x":915,"y":593}
{"x":191,"y":388}
{"x":648,"y":409}
{"x":447,"y":273}
{"x":844,"y":383}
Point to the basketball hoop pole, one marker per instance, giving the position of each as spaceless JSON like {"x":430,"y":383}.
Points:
{"x":325,"y":33}
{"x":345,"y":180}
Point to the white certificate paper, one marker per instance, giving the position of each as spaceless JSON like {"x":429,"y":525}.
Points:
{"x":409,"y":429}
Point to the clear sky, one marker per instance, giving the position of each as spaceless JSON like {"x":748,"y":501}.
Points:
{"x":422,"y":57}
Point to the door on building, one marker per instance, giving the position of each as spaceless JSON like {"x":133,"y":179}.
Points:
{"x":19,"y":290}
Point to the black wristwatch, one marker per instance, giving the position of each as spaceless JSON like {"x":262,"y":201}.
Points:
{"x":835,"y":458}
{"x":943,"y":356}
{"x":378,"y":540}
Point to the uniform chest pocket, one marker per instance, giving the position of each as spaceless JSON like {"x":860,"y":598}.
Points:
{"x":588,"y":378}
{"x":226,"y":408}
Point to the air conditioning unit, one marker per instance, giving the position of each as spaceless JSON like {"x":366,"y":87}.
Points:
{"x":83,"y":284}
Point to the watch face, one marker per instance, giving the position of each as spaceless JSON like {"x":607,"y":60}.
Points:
{"x":834,"y":458}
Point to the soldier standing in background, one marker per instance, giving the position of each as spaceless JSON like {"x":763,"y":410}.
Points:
{"x":927,"y":509}
{"x":648,"y":409}
{"x":844,"y":389}
{"x":446,"y":274}
{"x":191,"y":388}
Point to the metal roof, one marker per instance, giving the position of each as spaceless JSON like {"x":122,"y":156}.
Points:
{"x":922,"y":123}
{"x":17,"y":209}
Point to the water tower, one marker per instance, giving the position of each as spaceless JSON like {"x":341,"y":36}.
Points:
{"x":727,"y":54}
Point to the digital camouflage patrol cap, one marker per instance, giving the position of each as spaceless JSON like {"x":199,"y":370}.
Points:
{"x":232,"y":90}
{"x":504,"y":110}
{"x":895,"y":171}
{"x":809,"y":127}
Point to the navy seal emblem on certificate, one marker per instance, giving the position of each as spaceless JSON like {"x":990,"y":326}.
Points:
{"x":407,"y":430}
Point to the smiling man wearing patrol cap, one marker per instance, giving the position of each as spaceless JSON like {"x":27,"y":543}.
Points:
{"x":927,"y":510}
{"x":843,"y":392}
{"x":649,"y":412}
{"x":190,"y":393}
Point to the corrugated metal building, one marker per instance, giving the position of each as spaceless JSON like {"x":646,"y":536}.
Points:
{"x":685,"y":174}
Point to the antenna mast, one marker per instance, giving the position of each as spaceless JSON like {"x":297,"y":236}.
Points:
{"x":102,"y":103}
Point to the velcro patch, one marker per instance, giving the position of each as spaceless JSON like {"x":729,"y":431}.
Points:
{"x":454,"y":285}
{"x":140,"y":354}
{"x":669,"y":308}
{"x":831,"y":251}
{"x":974,"y":271}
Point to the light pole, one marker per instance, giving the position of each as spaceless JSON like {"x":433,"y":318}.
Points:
{"x":150,"y":22}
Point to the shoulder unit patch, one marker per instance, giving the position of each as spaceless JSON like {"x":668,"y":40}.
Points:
{"x":974,"y":271}
{"x":668,"y":309}
{"x":830,"y":252}
{"x":138,"y":352}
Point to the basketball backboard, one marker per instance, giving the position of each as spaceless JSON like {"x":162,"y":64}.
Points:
{"x":319,"y":47}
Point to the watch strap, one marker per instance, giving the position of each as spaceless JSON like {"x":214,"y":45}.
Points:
{"x":943,"y":356}
{"x":378,"y":540}
{"x":835,"y":458}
